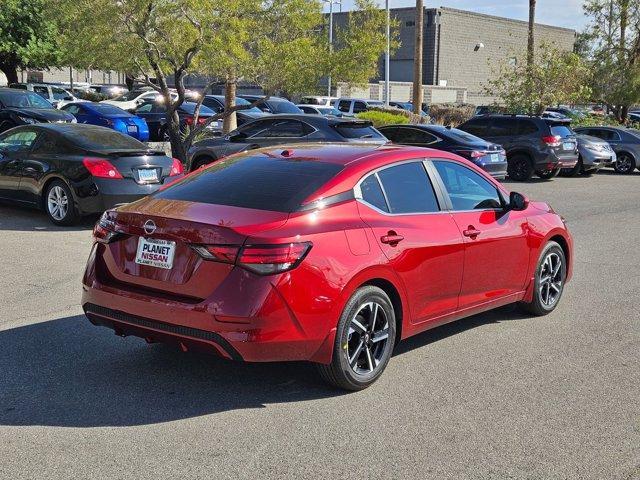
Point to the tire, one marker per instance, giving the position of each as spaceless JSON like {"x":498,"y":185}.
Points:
{"x":625,"y":163}
{"x":59,"y":204}
{"x":360,"y":356}
{"x":544,"y":299}
{"x":547,"y":174}
{"x":202,"y":161}
{"x":575,"y":171}
{"x":520,"y":168}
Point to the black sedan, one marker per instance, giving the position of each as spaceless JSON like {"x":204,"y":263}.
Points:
{"x":74,"y":170}
{"x":155,"y":114}
{"x":281,"y":129}
{"x":488,"y":156}
{"x":19,"y":107}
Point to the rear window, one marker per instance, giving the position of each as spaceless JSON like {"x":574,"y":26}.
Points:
{"x":562,"y":130}
{"x":257,"y":182}
{"x":190,"y":108}
{"x":462,"y":137}
{"x":358,"y":130}
{"x":283,"y":107}
{"x":99,"y":139}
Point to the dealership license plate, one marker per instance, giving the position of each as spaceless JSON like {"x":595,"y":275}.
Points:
{"x":495,"y":157}
{"x":155,"y":253}
{"x":148,"y":175}
{"x":568,"y":146}
{"x":132,"y":128}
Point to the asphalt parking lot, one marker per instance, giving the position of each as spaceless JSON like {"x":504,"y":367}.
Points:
{"x":495,"y":396}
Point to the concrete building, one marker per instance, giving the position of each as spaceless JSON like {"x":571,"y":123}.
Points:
{"x":461,"y":49}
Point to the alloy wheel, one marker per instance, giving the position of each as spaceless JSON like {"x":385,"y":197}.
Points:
{"x":623,"y":164}
{"x":57,"y":203}
{"x":368,"y":338}
{"x":550,"y":279}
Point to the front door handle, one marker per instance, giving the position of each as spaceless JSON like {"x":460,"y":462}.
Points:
{"x":471,"y":232}
{"x":391,"y":238}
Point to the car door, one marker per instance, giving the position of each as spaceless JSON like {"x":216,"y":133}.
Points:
{"x":14,"y":149}
{"x":44,"y":157}
{"x":480,"y":127}
{"x":420,"y":239}
{"x":496,"y":248}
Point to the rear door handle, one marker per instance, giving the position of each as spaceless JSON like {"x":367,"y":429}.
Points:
{"x":391,"y":239}
{"x":471,"y":232}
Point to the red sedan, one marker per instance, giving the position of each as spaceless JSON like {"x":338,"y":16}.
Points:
{"x":327,"y":253}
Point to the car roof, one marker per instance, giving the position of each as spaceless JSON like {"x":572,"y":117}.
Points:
{"x":313,"y":118}
{"x":359,"y":99}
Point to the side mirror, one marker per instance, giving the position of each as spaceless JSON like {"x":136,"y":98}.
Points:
{"x":517,"y":202}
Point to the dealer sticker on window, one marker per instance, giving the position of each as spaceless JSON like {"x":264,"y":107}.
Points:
{"x":155,"y":252}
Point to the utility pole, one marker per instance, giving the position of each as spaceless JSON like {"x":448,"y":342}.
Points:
{"x":387,"y":54}
{"x":531,"y":36}
{"x":417,"y":58}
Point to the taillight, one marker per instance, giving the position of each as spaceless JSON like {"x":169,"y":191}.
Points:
{"x":101,"y":168}
{"x":471,"y":154}
{"x":552,"y":140}
{"x":260,"y":259}
{"x":104,"y":231}
{"x":477,"y":154}
{"x":189,"y":120}
{"x":176,"y":168}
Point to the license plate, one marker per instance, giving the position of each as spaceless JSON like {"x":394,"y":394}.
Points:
{"x":148,"y":175}
{"x":568,"y":146}
{"x":155,"y":253}
{"x":495,"y":157}
{"x":132,"y":128}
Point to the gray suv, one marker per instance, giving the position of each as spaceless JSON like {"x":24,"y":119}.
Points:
{"x":624,"y":141}
{"x":537,"y":145}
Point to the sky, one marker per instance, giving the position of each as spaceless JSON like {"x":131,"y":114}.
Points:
{"x":560,"y":13}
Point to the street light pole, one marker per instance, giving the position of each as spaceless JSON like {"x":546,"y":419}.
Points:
{"x":330,"y":42}
{"x":386,"y":57}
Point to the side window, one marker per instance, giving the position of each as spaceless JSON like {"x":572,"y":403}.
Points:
{"x":255,"y":128}
{"x":45,"y":144}
{"x":72,"y":109}
{"x":42,"y":91}
{"x":359,"y":107}
{"x":479,"y":128}
{"x":145,"y":108}
{"x":285,"y":129}
{"x":392,"y":133}
{"x":526,"y":127}
{"x":59,"y":93}
{"x":467,"y":190}
{"x":17,"y":142}
{"x":344,"y":105}
{"x":157,"y":107}
{"x":372,"y":193}
{"x":309,"y":110}
{"x":408,"y":189}
{"x":503,"y":127}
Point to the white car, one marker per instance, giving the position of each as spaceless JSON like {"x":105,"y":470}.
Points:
{"x":133,"y":99}
{"x":322,"y":101}
{"x":350,"y":106}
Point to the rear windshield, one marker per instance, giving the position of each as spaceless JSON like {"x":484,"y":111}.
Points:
{"x":358,"y":130}
{"x":283,"y":107}
{"x":106,"y":109}
{"x":462,"y":137}
{"x":99,"y":139}
{"x":22,"y":99}
{"x":190,"y":107}
{"x":257,"y":182}
{"x":562,"y":130}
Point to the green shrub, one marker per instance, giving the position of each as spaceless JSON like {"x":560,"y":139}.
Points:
{"x":380,"y":118}
{"x":594,"y":121}
{"x":450,"y":114}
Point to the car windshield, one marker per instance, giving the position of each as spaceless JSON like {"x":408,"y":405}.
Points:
{"x":106,"y":109}
{"x":328,"y":111}
{"x":101,"y":139}
{"x":463,"y":137}
{"x":358,"y":130}
{"x":257,"y":182}
{"x":280,"y":106}
{"x":562,"y":131}
{"x":21,"y":99}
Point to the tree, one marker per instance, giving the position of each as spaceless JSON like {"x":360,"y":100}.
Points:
{"x":27,"y":37}
{"x":278,"y":44}
{"x":555,"y":77}
{"x":614,"y":32}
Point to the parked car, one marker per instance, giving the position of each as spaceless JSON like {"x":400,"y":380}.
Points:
{"x":490,"y":157}
{"x":322,"y":101}
{"x":56,"y":95}
{"x":634,"y":117}
{"x":133,"y":99}
{"x":280,"y":129}
{"x":319,"y":110}
{"x":533,"y":144}
{"x":594,"y":154}
{"x":624,"y":141}
{"x":351,"y":106}
{"x":109,"y":116}
{"x":155,"y":114}
{"x":326,"y":253}
{"x":273,"y":104}
{"x":24,"y":108}
{"x":217,"y":104}
{"x":109,"y":90}
{"x":567,"y":112}
{"x":74,"y":170}
{"x":408,"y":106}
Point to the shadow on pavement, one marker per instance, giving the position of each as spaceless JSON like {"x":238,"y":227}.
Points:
{"x":68,"y":373}
{"x":14,"y":218}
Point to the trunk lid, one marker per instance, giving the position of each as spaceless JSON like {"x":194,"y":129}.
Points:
{"x":191,"y":278}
